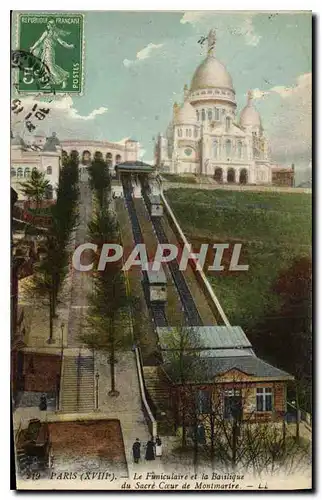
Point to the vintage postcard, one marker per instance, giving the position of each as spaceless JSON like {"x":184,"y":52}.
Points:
{"x":161,"y":215}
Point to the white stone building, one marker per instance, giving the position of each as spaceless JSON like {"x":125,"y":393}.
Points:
{"x":206,"y":137}
{"x":112,"y":152}
{"x":43,"y":154}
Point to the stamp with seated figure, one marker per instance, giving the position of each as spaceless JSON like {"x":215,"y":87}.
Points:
{"x":55,"y":39}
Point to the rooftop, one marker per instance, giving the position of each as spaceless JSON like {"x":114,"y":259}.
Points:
{"x":135,"y":166}
{"x":210,"y":351}
{"x":209,"y":337}
{"x":157,"y":277}
{"x":207,"y":369}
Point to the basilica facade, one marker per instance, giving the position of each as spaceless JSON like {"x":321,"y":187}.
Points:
{"x":205,"y":135}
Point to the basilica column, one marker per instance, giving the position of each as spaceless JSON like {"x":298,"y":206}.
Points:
{"x":224,"y":175}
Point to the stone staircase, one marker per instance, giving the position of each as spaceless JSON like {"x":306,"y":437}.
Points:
{"x":158,"y":387}
{"x":86,"y":385}
{"x":22,"y":462}
{"x":77,"y":388}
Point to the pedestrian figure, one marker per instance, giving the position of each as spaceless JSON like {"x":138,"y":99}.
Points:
{"x":149,"y":454}
{"x":158,"y":447}
{"x":201,"y":434}
{"x":43,"y":403}
{"x":136,"y":448}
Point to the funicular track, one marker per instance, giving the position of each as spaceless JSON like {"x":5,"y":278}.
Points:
{"x":190,"y":309}
{"x":158,"y":310}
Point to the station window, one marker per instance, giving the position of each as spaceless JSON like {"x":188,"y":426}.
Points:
{"x":264,"y":399}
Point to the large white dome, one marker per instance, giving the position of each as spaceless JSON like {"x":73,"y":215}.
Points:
{"x":211,"y":73}
{"x":186,"y":114}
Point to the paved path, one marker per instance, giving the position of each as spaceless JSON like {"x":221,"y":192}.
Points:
{"x":127,"y":406}
{"x":81,"y":283}
{"x":233,"y":187}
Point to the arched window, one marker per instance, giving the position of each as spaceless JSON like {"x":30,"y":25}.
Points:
{"x":209,"y":114}
{"x":179,"y":132}
{"x":243,"y":176}
{"x":228,"y":121}
{"x":118,"y":159}
{"x":218,"y":176}
{"x":13,"y":172}
{"x":86,"y":157}
{"x":190,"y":132}
{"x":27,"y":172}
{"x":216,"y":114}
{"x":203,"y":115}
{"x":49,"y":170}
{"x":228,"y":147}
{"x":198,"y":115}
{"x":215,"y":148}
{"x":231,"y":176}
{"x":19,"y":172}
{"x":187,"y":132}
{"x":196,"y":132}
{"x":109,"y":159}
{"x":239,"y":149}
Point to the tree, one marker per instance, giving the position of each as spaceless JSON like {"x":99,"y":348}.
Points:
{"x":100,"y":179}
{"x":284,"y":337}
{"x":36,"y":188}
{"x":108,"y":315}
{"x":185,"y":365}
{"x":50,"y":272}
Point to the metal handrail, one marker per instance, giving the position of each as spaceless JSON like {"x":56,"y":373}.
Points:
{"x":143,"y":395}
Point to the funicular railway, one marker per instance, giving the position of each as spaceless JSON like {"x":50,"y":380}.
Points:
{"x":157,"y":308}
{"x":191,"y":312}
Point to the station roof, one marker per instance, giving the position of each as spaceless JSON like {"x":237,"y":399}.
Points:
{"x":202,"y":370}
{"x":208,"y":337}
{"x":135,"y":166}
{"x":211,"y":351}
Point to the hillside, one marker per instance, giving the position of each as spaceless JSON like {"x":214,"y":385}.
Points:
{"x":274,"y":229}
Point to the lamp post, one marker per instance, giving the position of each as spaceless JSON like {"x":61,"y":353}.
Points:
{"x":97,"y":376}
{"x":62,"y":325}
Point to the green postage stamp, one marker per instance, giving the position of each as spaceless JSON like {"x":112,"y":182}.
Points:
{"x":56,"y":41}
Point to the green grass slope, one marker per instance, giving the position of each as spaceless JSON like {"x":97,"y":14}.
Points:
{"x":274,"y":228}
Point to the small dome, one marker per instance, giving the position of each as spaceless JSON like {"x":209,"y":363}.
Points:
{"x":186,"y":114}
{"x":211,"y":73}
{"x":249,"y":116}
{"x":51,"y":143}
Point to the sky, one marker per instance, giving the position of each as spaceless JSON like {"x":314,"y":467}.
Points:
{"x":136,"y":64}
